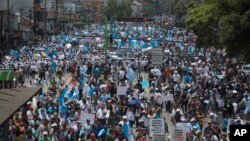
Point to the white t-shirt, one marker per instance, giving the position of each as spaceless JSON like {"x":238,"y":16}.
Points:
{"x":30,"y":115}
{"x":176,"y":77}
{"x":101,"y":113}
{"x":86,"y":107}
{"x":121,"y":74}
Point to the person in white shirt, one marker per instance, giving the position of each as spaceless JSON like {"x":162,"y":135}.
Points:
{"x":78,"y":114}
{"x":121,"y":74}
{"x":86,"y":105}
{"x":30,"y":115}
{"x":143,"y":104}
{"x":101,"y":114}
{"x":176,"y":77}
{"x":112,"y":70}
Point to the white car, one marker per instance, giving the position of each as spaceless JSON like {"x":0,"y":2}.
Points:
{"x":246,"y":69}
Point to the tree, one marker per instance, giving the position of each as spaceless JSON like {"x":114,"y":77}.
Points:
{"x":222,"y":23}
{"x":118,"y":10}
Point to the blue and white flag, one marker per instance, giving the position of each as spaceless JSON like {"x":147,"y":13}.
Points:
{"x":131,"y":75}
{"x":62,"y":106}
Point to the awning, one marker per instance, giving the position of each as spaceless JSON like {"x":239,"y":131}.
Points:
{"x":11,"y":100}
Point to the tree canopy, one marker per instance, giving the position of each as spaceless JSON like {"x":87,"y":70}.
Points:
{"x":222,"y":23}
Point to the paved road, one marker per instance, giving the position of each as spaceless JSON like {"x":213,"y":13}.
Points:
{"x":67,"y":78}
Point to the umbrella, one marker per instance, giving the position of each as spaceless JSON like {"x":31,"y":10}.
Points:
{"x":68,"y":45}
{"x":134,"y":102}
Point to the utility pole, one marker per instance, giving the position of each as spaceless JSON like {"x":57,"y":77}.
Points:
{"x":1,"y":37}
{"x":45,"y":19}
{"x":8,"y":25}
{"x":30,"y":24}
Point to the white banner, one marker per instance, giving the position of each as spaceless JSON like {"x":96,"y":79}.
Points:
{"x":85,"y":116}
{"x":121,"y":90}
{"x":184,"y":126}
{"x":179,"y":135}
{"x":157,"y":126}
{"x":159,"y":137}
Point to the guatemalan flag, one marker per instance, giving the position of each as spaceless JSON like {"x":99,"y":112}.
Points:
{"x":131,"y":75}
{"x":62,"y":106}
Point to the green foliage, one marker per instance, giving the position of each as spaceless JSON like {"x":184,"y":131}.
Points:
{"x":118,"y":10}
{"x":222,"y":23}
{"x":202,"y":21}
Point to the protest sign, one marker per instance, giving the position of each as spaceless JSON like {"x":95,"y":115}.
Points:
{"x":159,"y":137}
{"x":121,"y":90}
{"x":184,"y":126}
{"x":156,"y":126}
{"x":179,"y":135}
{"x":170,"y":97}
{"x":160,"y":99}
{"x":85,"y":116}
{"x":221,"y":102}
{"x":73,"y":125}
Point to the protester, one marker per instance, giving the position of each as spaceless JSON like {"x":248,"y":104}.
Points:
{"x":85,"y":96}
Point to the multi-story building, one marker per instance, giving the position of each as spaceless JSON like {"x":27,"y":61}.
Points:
{"x":15,"y":22}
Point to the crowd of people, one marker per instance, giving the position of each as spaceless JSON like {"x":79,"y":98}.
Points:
{"x":86,"y":98}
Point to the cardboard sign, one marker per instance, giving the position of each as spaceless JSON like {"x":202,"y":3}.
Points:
{"x":159,"y":137}
{"x":156,"y":127}
{"x":170,"y":97}
{"x":85,"y":116}
{"x":184,"y":126}
{"x":179,"y":135}
{"x":160,"y":99}
{"x":121,"y":90}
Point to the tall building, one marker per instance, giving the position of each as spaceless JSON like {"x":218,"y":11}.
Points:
{"x":15,"y":22}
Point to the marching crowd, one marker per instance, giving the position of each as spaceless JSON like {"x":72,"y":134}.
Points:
{"x":201,"y":87}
